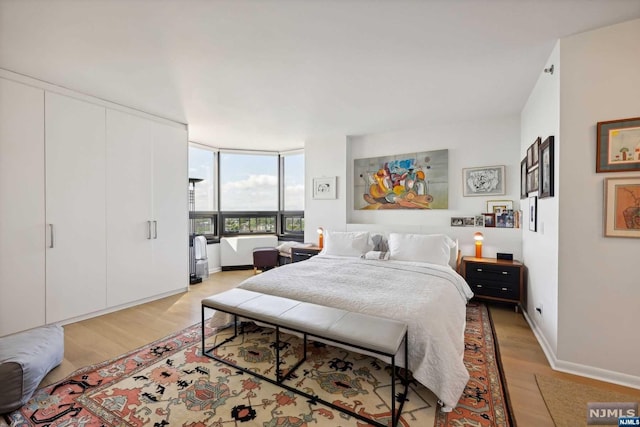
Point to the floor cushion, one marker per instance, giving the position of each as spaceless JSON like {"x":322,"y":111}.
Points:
{"x":25,"y":359}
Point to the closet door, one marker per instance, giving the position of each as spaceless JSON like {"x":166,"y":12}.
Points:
{"x":129,"y":208}
{"x":75,"y":207}
{"x":22,"y":245}
{"x":170,"y":208}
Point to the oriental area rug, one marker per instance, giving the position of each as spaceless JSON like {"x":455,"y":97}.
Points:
{"x":169,"y":383}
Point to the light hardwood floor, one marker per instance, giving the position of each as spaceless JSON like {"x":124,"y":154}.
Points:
{"x":101,"y":338}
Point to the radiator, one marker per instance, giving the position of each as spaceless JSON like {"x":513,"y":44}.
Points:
{"x":236,"y":251}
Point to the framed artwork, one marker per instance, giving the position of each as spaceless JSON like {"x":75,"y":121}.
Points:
{"x":505,"y":219}
{"x":523,"y":179}
{"x":483,"y":181}
{"x":618,"y":146}
{"x":479,"y":221}
{"x":533,"y":213}
{"x":324,"y":188}
{"x":622,"y":207}
{"x":545,"y":169}
{"x":497,"y":206}
{"x":535,"y":152}
{"x":532,"y":153}
{"x":457,"y":221}
{"x":489,"y":219}
{"x":533,"y":180}
{"x":469,"y":221}
{"x":402,"y":181}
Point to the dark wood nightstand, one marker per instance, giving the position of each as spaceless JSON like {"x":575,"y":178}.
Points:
{"x":495,"y":279}
{"x":303,"y":254}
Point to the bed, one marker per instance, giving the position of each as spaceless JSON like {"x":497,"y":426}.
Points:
{"x":429,"y":296}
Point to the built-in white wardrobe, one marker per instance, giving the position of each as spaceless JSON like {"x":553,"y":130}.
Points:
{"x":93,"y":205}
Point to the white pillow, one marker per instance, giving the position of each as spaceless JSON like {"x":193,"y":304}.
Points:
{"x":286,"y":247}
{"x":431,"y":248}
{"x":351,"y":243}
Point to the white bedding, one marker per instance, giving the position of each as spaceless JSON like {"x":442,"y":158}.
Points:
{"x":431,"y":299}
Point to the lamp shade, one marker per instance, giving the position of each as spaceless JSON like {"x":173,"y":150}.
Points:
{"x":478,"y":237}
{"x":320,"y":237}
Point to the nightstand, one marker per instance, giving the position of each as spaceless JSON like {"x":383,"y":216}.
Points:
{"x":303,"y":254}
{"x":495,"y":279}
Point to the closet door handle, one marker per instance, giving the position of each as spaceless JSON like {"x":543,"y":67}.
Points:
{"x":155,"y":229}
{"x":51,"y":236}
{"x":148,"y":230}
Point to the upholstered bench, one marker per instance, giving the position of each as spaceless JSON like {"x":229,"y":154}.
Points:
{"x":373,"y":334}
{"x":25,"y":359}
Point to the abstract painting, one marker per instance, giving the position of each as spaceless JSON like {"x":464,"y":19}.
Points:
{"x":404,"y":181}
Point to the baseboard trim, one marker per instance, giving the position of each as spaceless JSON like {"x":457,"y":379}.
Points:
{"x":121,"y":307}
{"x":237,"y":267}
{"x":215,"y":270}
{"x":592,"y":372}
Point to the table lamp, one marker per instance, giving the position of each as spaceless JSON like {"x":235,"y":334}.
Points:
{"x":478,"y":237}
{"x":320,"y":237}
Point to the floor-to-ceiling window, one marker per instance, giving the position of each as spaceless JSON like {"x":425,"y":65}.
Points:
{"x":292,"y":204}
{"x":237,"y":192}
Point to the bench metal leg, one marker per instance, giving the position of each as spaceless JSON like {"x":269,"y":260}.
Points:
{"x":279,"y":381}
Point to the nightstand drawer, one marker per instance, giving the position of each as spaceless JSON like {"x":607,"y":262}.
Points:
{"x":494,"y":273}
{"x":303,"y":254}
{"x":492,"y":279}
{"x":496,"y":290}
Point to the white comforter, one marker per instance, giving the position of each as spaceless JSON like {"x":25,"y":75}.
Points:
{"x":431,"y":299}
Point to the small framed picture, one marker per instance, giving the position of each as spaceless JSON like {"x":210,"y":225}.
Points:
{"x":533,"y":213}
{"x":497,"y":206}
{"x":618,"y":145}
{"x":489,"y":219}
{"x":479,"y":221}
{"x":505,"y":219}
{"x":324,"y":188}
{"x":469,"y":221}
{"x":457,"y":221}
{"x":532,"y":153}
{"x":622,"y":207}
{"x":483,"y":181}
{"x":532,"y":180}
{"x":546,"y":169}
{"x":535,"y":152}
{"x":523,"y":179}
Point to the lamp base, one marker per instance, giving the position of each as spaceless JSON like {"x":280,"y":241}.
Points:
{"x":478,"y":250}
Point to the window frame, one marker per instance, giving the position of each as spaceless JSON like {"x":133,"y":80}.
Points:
{"x":247,"y":215}
{"x":279,"y":216}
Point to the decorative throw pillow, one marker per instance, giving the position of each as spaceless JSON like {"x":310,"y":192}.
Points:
{"x":430,"y":248}
{"x":25,"y":359}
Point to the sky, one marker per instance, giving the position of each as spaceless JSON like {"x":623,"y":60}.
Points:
{"x":249,"y":181}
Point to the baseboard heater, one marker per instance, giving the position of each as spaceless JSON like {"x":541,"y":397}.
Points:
{"x":237,"y":252}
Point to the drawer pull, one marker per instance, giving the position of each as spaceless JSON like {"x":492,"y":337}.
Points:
{"x":505,"y":272}
{"x":505,"y":289}
{"x":478,"y":286}
{"x":478,"y":269}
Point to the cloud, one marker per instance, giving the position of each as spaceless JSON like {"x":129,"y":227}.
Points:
{"x":294,"y":197}
{"x":255,"y":193}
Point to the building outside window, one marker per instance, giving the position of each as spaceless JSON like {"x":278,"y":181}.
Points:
{"x":261,"y":193}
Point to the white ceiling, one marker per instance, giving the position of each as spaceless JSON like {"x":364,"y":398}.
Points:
{"x":269,"y":74}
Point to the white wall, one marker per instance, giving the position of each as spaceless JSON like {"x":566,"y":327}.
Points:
{"x":325,"y":157}
{"x":541,"y":118}
{"x":599,"y":288}
{"x":494,"y":142}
